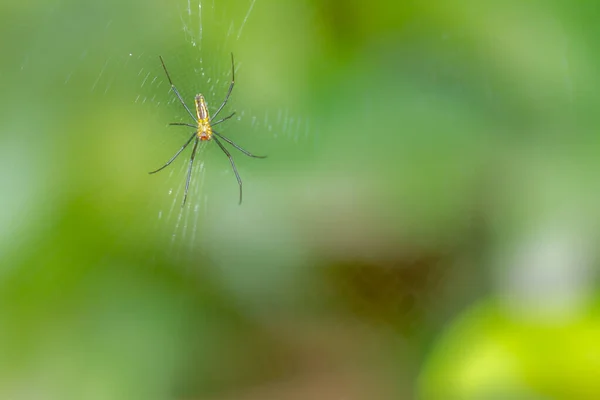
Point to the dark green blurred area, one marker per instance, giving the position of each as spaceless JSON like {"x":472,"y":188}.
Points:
{"x":425,"y":225}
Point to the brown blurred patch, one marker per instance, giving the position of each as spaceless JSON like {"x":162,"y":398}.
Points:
{"x":393,"y":292}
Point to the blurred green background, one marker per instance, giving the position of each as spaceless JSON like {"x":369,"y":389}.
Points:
{"x":424,"y":227}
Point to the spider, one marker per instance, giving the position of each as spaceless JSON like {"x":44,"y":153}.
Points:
{"x":204,"y":130}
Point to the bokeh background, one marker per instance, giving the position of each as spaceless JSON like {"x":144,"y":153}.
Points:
{"x":425,"y":225}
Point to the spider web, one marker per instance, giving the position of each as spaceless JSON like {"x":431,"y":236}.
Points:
{"x":198,"y":61}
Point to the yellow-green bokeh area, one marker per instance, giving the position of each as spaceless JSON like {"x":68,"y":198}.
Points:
{"x":487,"y":355}
{"x":424,"y":225}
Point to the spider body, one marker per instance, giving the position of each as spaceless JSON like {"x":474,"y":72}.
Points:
{"x":204,"y":130}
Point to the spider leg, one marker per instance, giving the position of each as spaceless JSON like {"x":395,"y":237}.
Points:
{"x":175,"y":89}
{"x":246,"y":152}
{"x":223,"y":119}
{"x":183,"y":124}
{"x":237,"y":175}
{"x":230,"y":88}
{"x":189,"y":174}
{"x":176,"y":154}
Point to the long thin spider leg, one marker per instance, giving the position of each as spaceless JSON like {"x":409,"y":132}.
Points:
{"x":230,"y":88}
{"x":176,"y":154}
{"x":183,"y":124}
{"x":223,"y":119}
{"x":237,"y":175}
{"x":189,"y":174}
{"x":175,"y":89}
{"x":246,"y":152}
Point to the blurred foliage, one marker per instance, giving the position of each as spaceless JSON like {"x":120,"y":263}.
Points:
{"x":424,"y":226}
